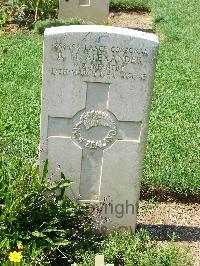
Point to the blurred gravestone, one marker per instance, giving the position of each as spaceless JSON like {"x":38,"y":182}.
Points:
{"x":97,"y":86}
{"x":96,"y":11}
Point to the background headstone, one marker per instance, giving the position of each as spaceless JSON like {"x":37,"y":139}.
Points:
{"x":96,"y":11}
{"x":97,"y":85}
{"x":99,"y":260}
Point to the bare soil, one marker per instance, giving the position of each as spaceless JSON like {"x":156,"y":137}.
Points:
{"x":13,"y":29}
{"x":165,"y":219}
{"x":133,"y":20}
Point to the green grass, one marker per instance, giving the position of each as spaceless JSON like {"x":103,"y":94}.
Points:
{"x":129,"y":5}
{"x":20,"y":75}
{"x":172,"y":158}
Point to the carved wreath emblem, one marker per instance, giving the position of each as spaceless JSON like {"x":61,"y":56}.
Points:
{"x":95,"y":119}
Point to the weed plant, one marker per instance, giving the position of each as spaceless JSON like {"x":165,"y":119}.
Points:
{"x":51,"y":227}
{"x":41,"y":9}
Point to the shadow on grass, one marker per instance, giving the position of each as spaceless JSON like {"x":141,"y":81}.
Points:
{"x":161,"y":232}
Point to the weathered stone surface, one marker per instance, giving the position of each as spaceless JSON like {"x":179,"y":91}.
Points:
{"x":97,"y":85}
{"x":96,"y":11}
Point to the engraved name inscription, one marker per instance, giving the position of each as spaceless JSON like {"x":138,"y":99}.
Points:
{"x":95,"y":119}
{"x":100,"y":61}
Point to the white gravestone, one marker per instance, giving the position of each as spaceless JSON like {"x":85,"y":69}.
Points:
{"x":96,"y":11}
{"x":97,"y":86}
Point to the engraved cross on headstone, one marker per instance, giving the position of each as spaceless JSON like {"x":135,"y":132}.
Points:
{"x":92,"y":130}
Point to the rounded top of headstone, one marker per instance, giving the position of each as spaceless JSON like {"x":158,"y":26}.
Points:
{"x":101,"y":29}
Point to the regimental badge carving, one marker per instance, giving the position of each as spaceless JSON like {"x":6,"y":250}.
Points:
{"x":95,"y":119}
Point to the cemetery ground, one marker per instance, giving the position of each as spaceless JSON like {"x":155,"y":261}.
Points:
{"x":170,"y":185}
